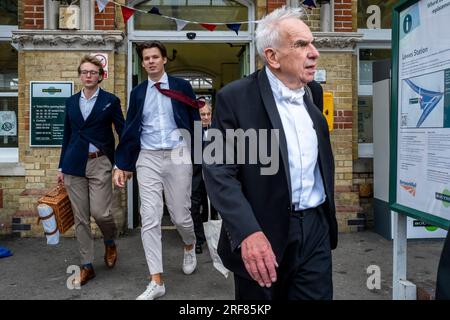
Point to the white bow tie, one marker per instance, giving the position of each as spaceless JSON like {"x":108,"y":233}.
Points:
{"x":292,"y":96}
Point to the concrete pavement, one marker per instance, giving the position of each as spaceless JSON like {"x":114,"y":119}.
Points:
{"x":38,"y":271}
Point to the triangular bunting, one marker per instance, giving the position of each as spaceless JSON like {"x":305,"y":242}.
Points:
{"x":309,"y":3}
{"x":127,"y":13}
{"x":181,"y":24}
{"x":101,"y":4}
{"x":155,"y":10}
{"x":234,"y":26}
{"x":210,"y":27}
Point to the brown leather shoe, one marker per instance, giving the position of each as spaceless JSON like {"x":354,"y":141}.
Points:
{"x":86,"y":274}
{"x":110,"y":256}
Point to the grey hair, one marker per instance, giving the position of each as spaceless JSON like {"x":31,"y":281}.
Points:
{"x":267,"y":33}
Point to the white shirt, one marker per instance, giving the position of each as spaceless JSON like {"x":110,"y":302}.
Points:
{"x":159,"y":129}
{"x":86,"y":106}
{"x":306,"y":182}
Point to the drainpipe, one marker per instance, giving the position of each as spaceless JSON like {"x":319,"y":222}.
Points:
{"x":51,"y":14}
{"x":326,"y":15}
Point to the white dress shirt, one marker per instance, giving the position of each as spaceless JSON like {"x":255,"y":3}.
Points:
{"x":306,"y":182}
{"x":86,"y":106}
{"x":159,"y":129}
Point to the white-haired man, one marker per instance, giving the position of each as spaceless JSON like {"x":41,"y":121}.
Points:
{"x":278,"y":230}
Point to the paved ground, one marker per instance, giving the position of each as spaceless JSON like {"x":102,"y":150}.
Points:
{"x":38,"y":271}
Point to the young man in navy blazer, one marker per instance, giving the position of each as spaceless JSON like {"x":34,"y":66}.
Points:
{"x":151,"y":144}
{"x":85,"y":165}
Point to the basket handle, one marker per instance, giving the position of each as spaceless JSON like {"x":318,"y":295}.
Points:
{"x":56,"y":191}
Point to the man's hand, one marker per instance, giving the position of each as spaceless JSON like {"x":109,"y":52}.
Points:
{"x":121,"y":176}
{"x":259,"y":259}
{"x":60,"y":177}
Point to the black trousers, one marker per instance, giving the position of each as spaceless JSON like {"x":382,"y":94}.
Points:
{"x":199,"y":204}
{"x":305,"y":271}
{"x":443,"y":275}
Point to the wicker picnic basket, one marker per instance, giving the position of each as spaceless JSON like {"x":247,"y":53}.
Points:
{"x":58,"y":199}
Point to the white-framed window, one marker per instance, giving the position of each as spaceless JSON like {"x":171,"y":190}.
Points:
{"x":218,"y":11}
{"x":374,"y":22}
{"x":9,"y":131}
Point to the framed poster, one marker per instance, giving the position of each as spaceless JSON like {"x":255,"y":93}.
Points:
{"x":47,"y":112}
{"x":420,"y":113}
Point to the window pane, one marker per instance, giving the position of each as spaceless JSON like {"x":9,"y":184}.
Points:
{"x":191,"y":10}
{"x":365,"y":130}
{"x":8,"y":122}
{"x":8,"y":68}
{"x":8,"y":12}
{"x":366,"y":58}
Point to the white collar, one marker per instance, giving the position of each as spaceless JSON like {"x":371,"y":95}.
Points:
{"x":281,"y":92}
{"x":164,"y":80}
{"x":95,"y":95}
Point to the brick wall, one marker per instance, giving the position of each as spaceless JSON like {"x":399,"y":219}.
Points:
{"x":33,"y":14}
{"x":340,"y":83}
{"x":312,"y":20}
{"x":10,"y":187}
{"x":343,"y":18}
{"x":106,"y":19}
{"x":20,"y":194}
{"x":274,"y":4}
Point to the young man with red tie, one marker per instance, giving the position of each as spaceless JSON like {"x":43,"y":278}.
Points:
{"x":160,"y":109}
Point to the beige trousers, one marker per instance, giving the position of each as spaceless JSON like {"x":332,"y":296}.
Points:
{"x":168,"y":171}
{"x":92,"y":195}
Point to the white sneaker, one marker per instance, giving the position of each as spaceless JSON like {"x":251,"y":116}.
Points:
{"x":153,"y":291}
{"x":189,"y":261}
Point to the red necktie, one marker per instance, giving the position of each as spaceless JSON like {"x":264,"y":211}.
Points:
{"x":180,"y":97}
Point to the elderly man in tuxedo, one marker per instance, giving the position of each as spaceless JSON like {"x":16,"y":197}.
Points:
{"x":278,"y":229}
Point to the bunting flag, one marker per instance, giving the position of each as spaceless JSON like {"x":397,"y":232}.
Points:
{"x":181,"y":24}
{"x":101,"y":4}
{"x":155,"y":10}
{"x":234,"y":26}
{"x":309,"y":4}
{"x":127,"y":13}
{"x":209,"y":26}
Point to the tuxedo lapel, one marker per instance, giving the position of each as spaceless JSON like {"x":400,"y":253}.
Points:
{"x":274,"y":116}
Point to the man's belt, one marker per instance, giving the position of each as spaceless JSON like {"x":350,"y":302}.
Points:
{"x":304,"y":212}
{"x":93,"y":155}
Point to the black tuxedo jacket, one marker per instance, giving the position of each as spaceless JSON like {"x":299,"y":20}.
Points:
{"x":247,"y":200}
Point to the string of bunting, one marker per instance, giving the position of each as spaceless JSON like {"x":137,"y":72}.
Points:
{"x":128,"y":12}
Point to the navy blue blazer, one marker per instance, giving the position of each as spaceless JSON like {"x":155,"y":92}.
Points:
{"x":184,"y":115}
{"x":96,"y":129}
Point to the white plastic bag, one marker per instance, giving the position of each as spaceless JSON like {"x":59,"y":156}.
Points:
{"x":212,"y":234}
{"x":49,"y":223}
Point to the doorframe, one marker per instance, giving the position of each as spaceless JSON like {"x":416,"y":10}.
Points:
{"x":372,"y":39}
{"x":203,"y":37}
